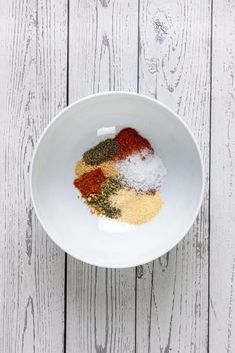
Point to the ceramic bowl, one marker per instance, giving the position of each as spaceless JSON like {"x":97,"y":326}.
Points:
{"x":68,"y":221}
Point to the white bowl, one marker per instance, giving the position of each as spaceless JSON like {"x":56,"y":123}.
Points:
{"x":97,"y":240}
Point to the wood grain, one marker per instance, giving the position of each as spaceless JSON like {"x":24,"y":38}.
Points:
{"x":165,"y":308}
{"x":222,"y":245}
{"x":32,"y":90}
{"x":174,"y":67}
{"x":103,"y":53}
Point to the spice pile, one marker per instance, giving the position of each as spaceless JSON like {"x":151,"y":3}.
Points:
{"x":120,"y":178}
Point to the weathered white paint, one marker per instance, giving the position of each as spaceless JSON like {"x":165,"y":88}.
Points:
{"x":172,"y":292}
{"x":222,"y":239}
{"x":165,"y":307}
{"x":32,"y":89}
{"x":103,"y":56}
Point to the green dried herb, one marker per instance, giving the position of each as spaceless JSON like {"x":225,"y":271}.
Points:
{"x":100,"y":202}
{"x":110,"y":186}
{"x":102,"y":152}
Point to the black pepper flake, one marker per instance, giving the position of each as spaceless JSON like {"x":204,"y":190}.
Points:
{"x":102,"y":152}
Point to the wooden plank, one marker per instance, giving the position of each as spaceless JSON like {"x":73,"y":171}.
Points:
{"x":222,"y":243}
{"x":32,"y":90}
{"x":103,"y":56}
{"x":172,"y":292}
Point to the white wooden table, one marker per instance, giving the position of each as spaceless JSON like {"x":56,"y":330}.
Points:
{"x":53,"y":52}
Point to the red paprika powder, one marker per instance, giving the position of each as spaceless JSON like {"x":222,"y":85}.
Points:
{"x":129,"y":141}
{"x":90,"y":182}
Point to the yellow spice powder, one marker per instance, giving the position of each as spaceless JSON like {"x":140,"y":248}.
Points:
{"x":109,"y":168}
{"x":136,"y":208}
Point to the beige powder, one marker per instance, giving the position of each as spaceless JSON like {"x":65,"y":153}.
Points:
{"x":109,"y":168}
{"x":136,"y":208}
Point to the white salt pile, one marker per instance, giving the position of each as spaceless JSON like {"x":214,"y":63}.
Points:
{"x":143,"y":171}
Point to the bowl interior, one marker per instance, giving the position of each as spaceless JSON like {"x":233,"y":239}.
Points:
{"x":68,"y":221}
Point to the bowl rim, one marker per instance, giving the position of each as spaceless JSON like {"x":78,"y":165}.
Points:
{"x":182,"y":234}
